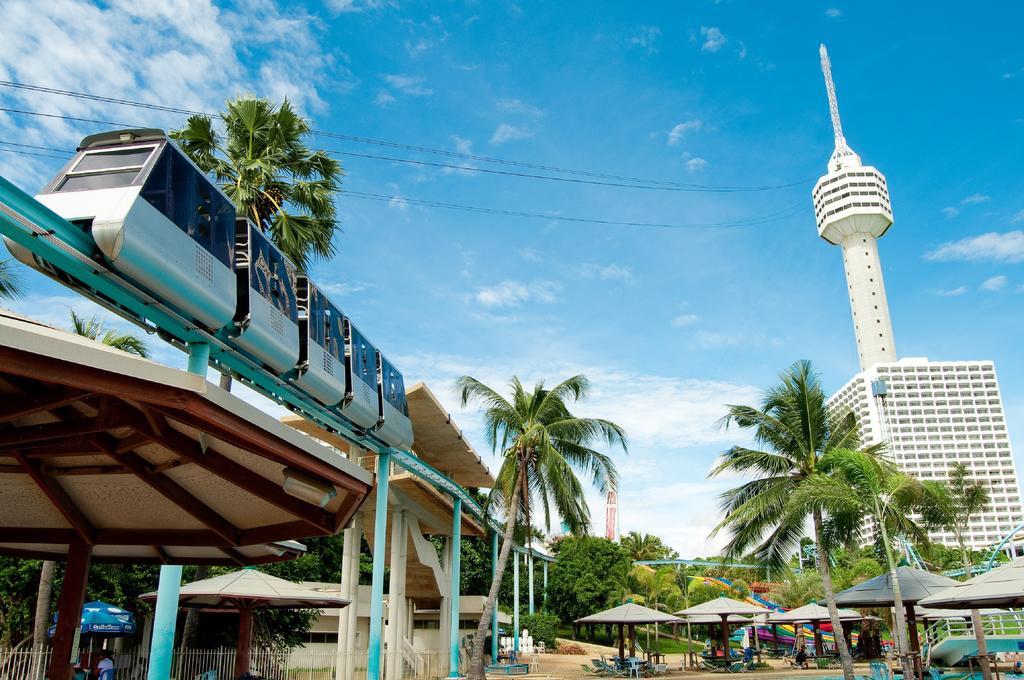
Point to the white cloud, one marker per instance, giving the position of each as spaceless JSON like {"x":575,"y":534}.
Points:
{"x":833,"y":12}
{"x":515,"y":293}
{"x":950,"y":212}
{"x":994,"y":283}
{"x":510,"y":133}
{"x":340,"y":288}
{"x":952,"y":292}
{"x":680,"y":130}
{"x":974,"y":199}
{"x":605,"y":272}
{"x":520,"y":107}
{"x":713,"y":39}
{"x":462,"y":145}
{"x":188,"y":54}
{"x":384,"y":98}
{"x":684,"y":320}
{"x":999,"y":247}
{"x":530,"y":255}
{"x":703,"y":340}
{"x":352,"y":6}
{"x":1018,"y":217}
{"x":410,"y":85}
{"x":396,"y":202}
{"x":696,"y":164}
{"x":647,"y":38}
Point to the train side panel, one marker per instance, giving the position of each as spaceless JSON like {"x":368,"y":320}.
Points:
{"x":362,"y":404}
{"x":394,"y":428}
{"x":322,"y":348}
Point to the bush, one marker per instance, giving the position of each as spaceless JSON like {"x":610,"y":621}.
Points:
{"x":543,"y":627}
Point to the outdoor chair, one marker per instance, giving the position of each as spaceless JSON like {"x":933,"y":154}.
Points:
{"x":608,"y":670}
{"x":879,"y":671}
{"x":534,"y":663}
{"x":736,"y":667}
{"x":106,"y":675}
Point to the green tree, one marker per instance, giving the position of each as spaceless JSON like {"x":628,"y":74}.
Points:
{"x":854,"y":487}
{"x":792,"y":431}
{"x":94,"y":329}
{"x":543,"y":445}
{"x":641,"y":546}
{"x":265,"y":166}
{"x":10,"y":282}
{"x":950,"y":506}
{"x":582,"y":579}
{"x":799,"y":589}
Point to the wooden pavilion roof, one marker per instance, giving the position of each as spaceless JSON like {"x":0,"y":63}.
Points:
{"x":147,"y":463}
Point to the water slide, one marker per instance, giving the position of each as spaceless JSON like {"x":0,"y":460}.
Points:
{"x":786,"y":631}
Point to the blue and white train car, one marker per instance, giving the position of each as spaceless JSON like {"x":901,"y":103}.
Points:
{"x":267,"y":315}
{"x":362,"y":403}
{"x":394,"y":426}
{"x":321,"y":345}
{"x":156,"y":218}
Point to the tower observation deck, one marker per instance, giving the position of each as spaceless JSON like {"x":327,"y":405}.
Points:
{"x":852,"y":210}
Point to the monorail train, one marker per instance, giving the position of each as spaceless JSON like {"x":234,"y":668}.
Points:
{"x":159,"y":221}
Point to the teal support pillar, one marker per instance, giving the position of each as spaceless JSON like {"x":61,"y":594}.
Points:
{"x":515,"y":605}
{"x":453,"y":658}
{"x":198,"y":358}
{"x":529,"y":566}
{"x":380,"y":527}
{"x":545,"y":583}
{"x":165,"y":618}
{"x":494,"y":614}
{"x":165,"y":621}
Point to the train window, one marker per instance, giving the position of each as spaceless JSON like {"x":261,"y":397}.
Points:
{"x":105,"y":180}
{"x":186,"y":197}
{"x":120,"y":158}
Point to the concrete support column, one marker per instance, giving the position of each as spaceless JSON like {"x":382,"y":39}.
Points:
{"x":515,"y":605}
{"x":380,"y":528}
{"x":353,"y":538}
{"x":455,"y":577}
{"x":494,"y":615}
{"x":529,"y":565}
{"x":396,"y":596}
{"x":444,"y":616}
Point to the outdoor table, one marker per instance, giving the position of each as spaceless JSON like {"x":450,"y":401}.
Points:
{"x":655,"y":657}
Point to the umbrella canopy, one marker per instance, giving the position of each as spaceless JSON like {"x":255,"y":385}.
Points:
{"x":915,"y":585}
{"x":1002,"y":587}
{"x":724,"y":606}
{"x":101,"y":618}
{"x":630,"y":614}
{"x":812,"y":612}
{"x":929,"y":614}
{"x":251,"y":589}
{"x":706,"y":619}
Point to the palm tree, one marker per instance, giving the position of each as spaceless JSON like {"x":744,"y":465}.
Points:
{"x":798,"y":589}
{"x":640,"y":546}
{"x":264,"y":165}
{"x":950,"y":507}
{"x":543,"y":446}
{"x":93,"y":329}
{"x":10,"y":282}
{"x":854,"y":486}
{"x":792,"y":431}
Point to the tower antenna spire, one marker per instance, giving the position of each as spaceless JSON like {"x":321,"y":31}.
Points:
{"x":843,"y":156}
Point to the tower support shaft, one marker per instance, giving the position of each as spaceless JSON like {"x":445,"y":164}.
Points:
{"x":868,"y":304}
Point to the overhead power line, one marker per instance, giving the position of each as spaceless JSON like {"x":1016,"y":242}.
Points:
{"x":614,"y":180}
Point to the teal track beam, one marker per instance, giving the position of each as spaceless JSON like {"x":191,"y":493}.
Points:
{"x":453,"y":658}
{"x":494,"y":614}
{"x":380,"y":527}
{"x":165,"y":618}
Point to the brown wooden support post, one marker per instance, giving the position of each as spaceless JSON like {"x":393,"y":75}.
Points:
{"x":244,"y":642}
{"x":69,"y":609}
{"x":819,"y":648}
{"x":915,"y":642}
{"x":725,"y":637}
{"x":622,"y":643}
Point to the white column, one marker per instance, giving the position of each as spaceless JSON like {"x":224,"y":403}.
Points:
{"x":868,"y":303}
{"x":445,"y":621}
{"x":396,"y":595}
{"x":353,"y":538}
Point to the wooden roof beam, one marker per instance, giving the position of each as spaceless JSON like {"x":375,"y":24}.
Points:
{"x":59,"y":497}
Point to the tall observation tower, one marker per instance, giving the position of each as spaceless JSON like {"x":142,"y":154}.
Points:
{"x":851,"y":206}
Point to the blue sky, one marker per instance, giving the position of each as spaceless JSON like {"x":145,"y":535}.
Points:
{"x":669,"y":323}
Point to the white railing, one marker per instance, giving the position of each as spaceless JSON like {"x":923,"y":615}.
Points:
{"x":1009,"y":623}
{"x":189,"y":664}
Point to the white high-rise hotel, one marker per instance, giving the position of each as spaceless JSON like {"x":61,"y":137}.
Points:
{"x":930,"y":413}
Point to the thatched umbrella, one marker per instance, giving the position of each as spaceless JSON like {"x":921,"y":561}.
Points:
{"x":629,"y":615}
{"x":244,"y":592}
